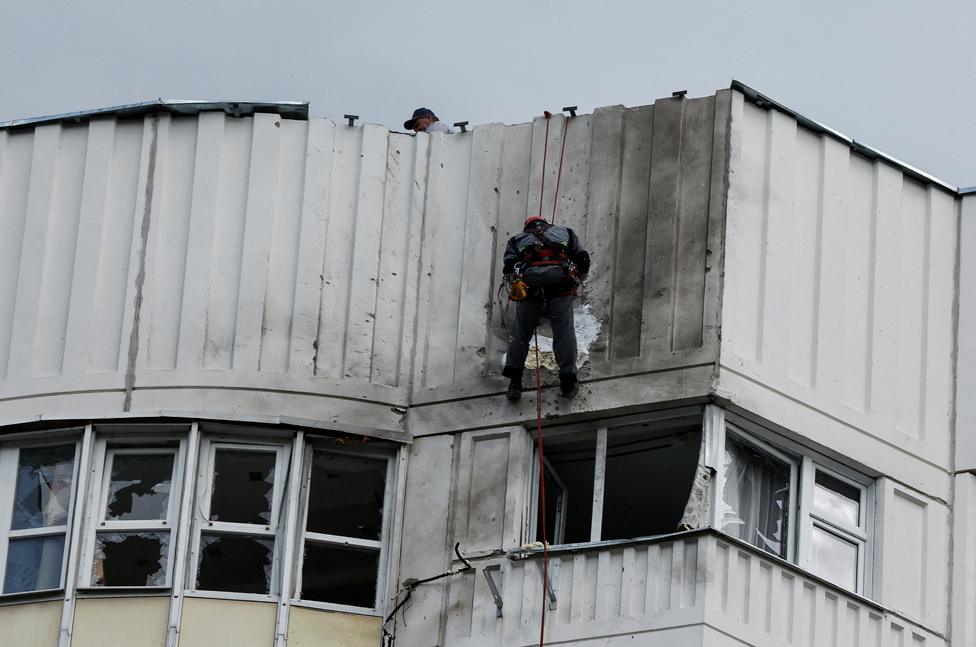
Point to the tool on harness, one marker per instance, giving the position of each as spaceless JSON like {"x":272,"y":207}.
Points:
{"x":517,"y":289}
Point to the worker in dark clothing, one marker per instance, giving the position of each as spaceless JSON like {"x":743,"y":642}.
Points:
{"x":543,"y":266}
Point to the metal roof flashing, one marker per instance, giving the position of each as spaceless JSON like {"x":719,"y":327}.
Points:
{"x":287,"y":109}
{"x":762,"y":101}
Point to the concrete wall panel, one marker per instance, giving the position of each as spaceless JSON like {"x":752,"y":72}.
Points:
{"x":120,"y":622}
{"x":209,"y":622}
{"x":839,"y":284}
{"x":258,"y":250}
{"x":37,"y":624}
{"x":313,"y":628}
{"x":913,"y":574}
{"x":966,"y":354}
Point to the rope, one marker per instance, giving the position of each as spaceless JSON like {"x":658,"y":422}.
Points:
{"x":542,"y":491}
{"x":545,"y":153}
{"x":559,"y":171}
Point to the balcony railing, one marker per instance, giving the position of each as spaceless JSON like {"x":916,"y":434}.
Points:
{"x":680,"y":589}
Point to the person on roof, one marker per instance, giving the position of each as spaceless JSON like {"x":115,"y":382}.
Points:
{"x":425,"y":121}
{"x":543,"y":266}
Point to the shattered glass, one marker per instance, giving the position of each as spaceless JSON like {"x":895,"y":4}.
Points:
{"x":340,"y":574}
{"x":130,"y":559}
{"x":34,"y":564}
{"x":42,"y":494}
{"x":140,"y":486}
{"x":243,"y":486}
{"x":756,"y":497}
{"x":346,"y":495}
{"x":237,"y":563}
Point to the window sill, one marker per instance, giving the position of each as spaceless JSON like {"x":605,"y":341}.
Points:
{"x":336,"y":608}
{"x":230,"y":595}
{"x":48,"y":595}
{"x":123,"y":591}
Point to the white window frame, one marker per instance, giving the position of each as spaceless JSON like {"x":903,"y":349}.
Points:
{"x":273,"y":530}
{"x":160,"y":444}
{"x":389,"y":493}
{"x":9,"y":460}
{"x":803,"y":519}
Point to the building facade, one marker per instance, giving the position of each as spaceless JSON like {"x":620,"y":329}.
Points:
{"x":250,"y":384}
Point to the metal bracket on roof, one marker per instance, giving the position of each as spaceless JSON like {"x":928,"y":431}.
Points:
{"x":571,"y":110}
{"x":352,"y":119}
{"x":463,"y":125}
{"x":494,"y":590}
{"x":680,"y":94}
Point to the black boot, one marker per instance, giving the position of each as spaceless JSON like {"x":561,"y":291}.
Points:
{"x":568,"y":385}
{"x":514,"y":390}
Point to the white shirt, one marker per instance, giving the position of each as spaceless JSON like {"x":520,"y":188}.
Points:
{"x":439,"y":127}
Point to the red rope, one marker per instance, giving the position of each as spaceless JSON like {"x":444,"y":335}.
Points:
{"x":545,"y":153}
{"x":559,"y":171}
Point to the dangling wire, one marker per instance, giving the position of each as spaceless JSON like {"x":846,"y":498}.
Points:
{"x":542,"y":491}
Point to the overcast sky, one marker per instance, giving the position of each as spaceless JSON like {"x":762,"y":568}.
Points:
{"x":897,"y":75}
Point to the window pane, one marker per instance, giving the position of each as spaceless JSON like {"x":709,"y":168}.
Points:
{"x":648,"y":477}
{"x":139,"y":487}
{"x":239,"y":563}
{"x":130,"y":558}
{"x":836,"y":501}
{"x":34,"y":564}
{"x":43,"y":491}
{"x":340,"y":574}
{"x":346,"y":495}
{"x":243,"y":486}
{"x":834,"y":559}
{"x":756,"y":497}
{"x":571,"y":463}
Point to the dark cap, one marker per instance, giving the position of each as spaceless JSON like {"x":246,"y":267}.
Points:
{"x":417,"y":114}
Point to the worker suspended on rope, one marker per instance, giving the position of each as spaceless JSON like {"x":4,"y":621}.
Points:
{"x":543,"y":267}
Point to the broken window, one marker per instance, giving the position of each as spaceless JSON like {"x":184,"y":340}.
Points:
{"x":237,"y":532}
{"x":791,"y":505}
{"x":627,"y":481}
{"x":344,"y":527}
{"x":32,"y":552}
{"x":137,"y":511}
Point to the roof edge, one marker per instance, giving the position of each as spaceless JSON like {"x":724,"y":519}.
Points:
{"x":762,"y":101}
{"x":287,"y":109}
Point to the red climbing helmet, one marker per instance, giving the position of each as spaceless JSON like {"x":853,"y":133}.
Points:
{"x":531,"y":220}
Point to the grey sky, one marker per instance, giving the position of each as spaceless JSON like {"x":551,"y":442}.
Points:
{"x":899,"y":76}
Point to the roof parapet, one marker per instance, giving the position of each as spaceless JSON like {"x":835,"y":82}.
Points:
{"x":287,"y":109}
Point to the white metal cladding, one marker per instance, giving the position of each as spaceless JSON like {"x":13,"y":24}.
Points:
{"x":644,"y":590}
{"x":254,"y":265}
{"x":839,"y":293}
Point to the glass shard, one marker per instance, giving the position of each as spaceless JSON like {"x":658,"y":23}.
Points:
{"x":756,"y":497}
{"x":139,"y":487}
{"x":340,"y":574}
{"x":346,"y":495}
{"x":243,"y":486}
{"x":130,"y":559}
{"x":42,"y":495}
{"x":238,"y":563}
{"x":34,"y":564}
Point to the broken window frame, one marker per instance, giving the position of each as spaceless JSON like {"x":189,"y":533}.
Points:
{"x":202,"y":524}
{"x":327,"y":445}
{"x":9,"y":462}
{"x":679,"y":416}
{"x":105,"y":451}
{"x":720,"y":422}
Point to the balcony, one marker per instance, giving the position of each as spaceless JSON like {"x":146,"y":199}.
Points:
{"x":694,"y":588}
